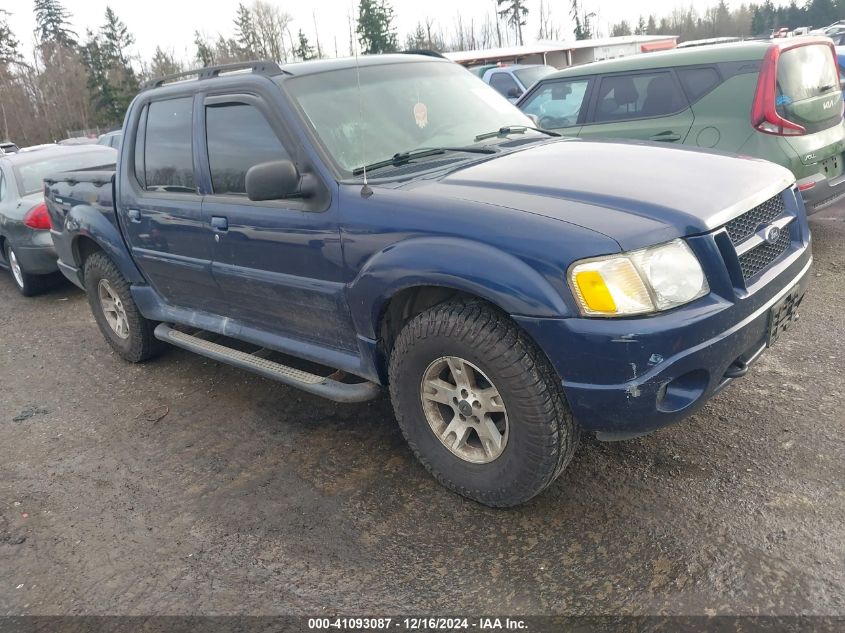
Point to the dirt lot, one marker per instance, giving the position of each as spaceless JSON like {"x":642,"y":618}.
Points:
{"x":248,"y":497}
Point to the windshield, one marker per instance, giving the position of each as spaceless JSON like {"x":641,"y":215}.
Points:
{"x":533,"y":74}
{"x":402,"y":107}
{"x":31,"y":174}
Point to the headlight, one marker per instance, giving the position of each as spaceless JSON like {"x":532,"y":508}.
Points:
{"x":638,"y":282}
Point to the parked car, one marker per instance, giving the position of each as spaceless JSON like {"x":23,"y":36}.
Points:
{"x":512,"y":81}
{"x":512,"y":288}
{"x":25,"y":245}
{"x":110,"y":139}
{"x":7,"y":147}
{"x":777,"y":101}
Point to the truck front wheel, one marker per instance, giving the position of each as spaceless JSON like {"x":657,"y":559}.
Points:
{"x":479,"y":404}
{"x":120,"y":321}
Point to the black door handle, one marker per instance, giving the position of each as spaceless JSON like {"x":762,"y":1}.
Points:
{"x":667,"y":136}
{"x":219,"y":223}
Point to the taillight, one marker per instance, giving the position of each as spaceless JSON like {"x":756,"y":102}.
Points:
{"x":38,"y":218}
{"x":764,"y":114}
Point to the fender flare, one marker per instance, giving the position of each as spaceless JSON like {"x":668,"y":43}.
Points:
{"x":83,"y":221}
{"x":459,"y":264}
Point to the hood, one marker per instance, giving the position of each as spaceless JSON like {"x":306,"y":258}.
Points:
{"x":639,"y":194}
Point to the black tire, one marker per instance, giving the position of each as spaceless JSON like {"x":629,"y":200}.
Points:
{"x":542,"y":435}
{"x":140,"y":343}
{"x":28,"y":285}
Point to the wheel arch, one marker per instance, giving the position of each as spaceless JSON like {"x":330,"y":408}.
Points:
{"x":94,"y":232}
{"x":439,"y":266}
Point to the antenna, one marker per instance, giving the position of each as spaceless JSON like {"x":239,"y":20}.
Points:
{"x":366,"y":191}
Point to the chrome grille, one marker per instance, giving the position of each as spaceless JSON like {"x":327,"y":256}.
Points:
{"x":743,"y":227}
{"x":759,"y":258}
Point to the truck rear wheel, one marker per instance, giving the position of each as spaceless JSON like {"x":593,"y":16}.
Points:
{"x":479,"y":404}
{"x":120,"y":321}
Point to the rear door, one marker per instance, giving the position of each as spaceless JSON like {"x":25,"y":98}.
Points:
{"x":559,"y":104}
{"x":161,"y":210}
{"x":278,"y":262}
{"x":648,"y":105}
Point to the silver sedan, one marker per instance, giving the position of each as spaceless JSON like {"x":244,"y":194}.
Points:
{"x":26,"y":247}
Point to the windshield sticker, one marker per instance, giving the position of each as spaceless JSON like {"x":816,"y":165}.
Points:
{"x":421,"y":114}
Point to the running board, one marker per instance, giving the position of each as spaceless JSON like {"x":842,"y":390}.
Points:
{"x":325,"y":387}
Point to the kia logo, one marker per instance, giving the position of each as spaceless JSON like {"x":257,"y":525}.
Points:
{"x":771,"y":234}
{"x":827,"y":105}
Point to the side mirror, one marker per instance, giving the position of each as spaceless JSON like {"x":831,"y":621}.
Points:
{"x":514,"y":93}
{"x":272,"y":181}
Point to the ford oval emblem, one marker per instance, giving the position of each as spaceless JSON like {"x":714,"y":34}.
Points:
{"x":771,"y":234}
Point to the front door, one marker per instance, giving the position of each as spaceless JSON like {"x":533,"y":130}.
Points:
{"x":278,"y":263}
{"x":161,"y":212}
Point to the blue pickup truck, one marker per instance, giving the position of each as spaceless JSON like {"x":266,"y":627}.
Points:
{"x":396,"y":222}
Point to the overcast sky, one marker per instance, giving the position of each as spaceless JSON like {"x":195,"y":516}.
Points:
{"x":171,"y":23}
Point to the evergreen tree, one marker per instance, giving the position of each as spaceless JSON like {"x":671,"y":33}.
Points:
{"x":8,"y":42}
{"x":205,"y":52}
{"x":375,"y":30}
{"x":115,"y":40}
{"x":515,"y":12}
{"x":583,"y":30}
{"x":245,"y":32}
{"x":99,"y":87}
{"x":52,"y":25}
{"x":304,"y":50}
{"x":164,"y":63}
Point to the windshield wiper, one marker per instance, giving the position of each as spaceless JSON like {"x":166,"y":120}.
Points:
{"x":513,"y":129}
{"x":401,"y":158}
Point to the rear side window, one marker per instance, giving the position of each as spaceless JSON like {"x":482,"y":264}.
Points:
{"x":2,"y":186}
{"x":806,"y":72}
{"x":239,"y":137}
{"x":168,"y":155}
{"x":557,"y":104}
{"x":503,"y":83}
{"x":697,"y":82}
{"x":644,"y":95}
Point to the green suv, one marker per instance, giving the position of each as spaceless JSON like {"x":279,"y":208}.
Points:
{"x":779,"y":101}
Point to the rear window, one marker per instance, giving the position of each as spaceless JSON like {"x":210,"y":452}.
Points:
{"x":806,"y":72}
{"x":31,"y":175}
{"x":698,"y":81}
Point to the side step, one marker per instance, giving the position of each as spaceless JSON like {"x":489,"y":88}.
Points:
{"x":318,"y":385}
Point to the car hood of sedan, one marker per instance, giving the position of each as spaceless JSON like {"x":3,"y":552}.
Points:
{"x":639,"y":194}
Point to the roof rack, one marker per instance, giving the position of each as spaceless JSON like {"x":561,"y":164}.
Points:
{"x":260,"y":67}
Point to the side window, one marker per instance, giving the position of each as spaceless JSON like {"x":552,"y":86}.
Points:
{"x":238,"y":137}
{"x":168,"y":155}
{"x":557,"y":104}
{"x":2,"y":185}
{"x":139,"y":147}
{"x":626,"y":97}
{"x":697,"y":82}
{"x":503,"y":83}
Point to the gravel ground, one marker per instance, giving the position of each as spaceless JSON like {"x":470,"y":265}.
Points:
{"x":249,"y":497}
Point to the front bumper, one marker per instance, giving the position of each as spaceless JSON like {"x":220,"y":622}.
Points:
{"x":627,"y":377}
